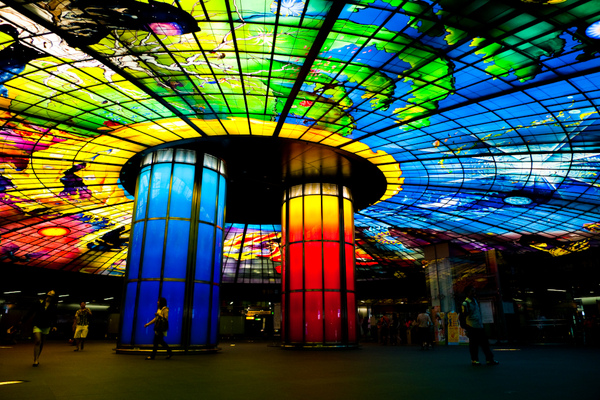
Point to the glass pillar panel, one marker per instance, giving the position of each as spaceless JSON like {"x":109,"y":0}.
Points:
{"x":313,"y":265}
{"x":318,"y":266}
{"x":176,"y":249}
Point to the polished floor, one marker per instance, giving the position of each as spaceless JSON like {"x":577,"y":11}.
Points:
{"x":262,"y":371}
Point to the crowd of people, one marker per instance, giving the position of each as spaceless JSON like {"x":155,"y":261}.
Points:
{"x":392,"y":330}
{"x":43,"y":316}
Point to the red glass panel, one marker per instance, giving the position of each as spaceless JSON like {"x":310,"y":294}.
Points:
{"x":283,"y":266}
{"x":313,"y":265}
{"x":295,"y":227}
{"x":314,"y":316}
{"x":350,"y":256}
{"x":331,"y":219}
{"x":351,"y":317}
{"x":312,"y":218}
{"x":283,"y":315}
{"x":296,"y":310}
{"x":333,"y":317}
{"x":332,"y":265}
{"x":296,"y":281}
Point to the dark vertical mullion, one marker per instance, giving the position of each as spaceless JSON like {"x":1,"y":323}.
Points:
{"x":321,"y":197}
{"x":343,"y":285}
{"x":124,"y":291}
{"x":191,"y":259}
{"x":303,"y":265}
{"x":143,"y":249}
{"x":239,"y":256}
{"x":286,"y":269}
{"x":214,"y":250}
{"x":167,"y":218}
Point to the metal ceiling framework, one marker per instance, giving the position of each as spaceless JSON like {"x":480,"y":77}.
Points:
{"x":466,"y":107}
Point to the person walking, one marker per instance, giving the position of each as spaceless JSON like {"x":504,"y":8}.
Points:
{"x":44,"y":317}
{"x":82,"y":323}
{"x":475,"y":332}
{"x":423,"y":324}
{"x":161,"y":325}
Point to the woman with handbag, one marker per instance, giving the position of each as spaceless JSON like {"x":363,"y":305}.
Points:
{"x":161,"y":326}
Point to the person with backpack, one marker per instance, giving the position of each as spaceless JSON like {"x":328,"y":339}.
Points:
{"x":471,"y":315}
{"x":161,"y":326}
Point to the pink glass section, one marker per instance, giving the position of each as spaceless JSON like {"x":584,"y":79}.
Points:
{"x":296,"y":311}
{"x":333,"y":317}
{"x":314,"y":316}
{"x":351,"y":317}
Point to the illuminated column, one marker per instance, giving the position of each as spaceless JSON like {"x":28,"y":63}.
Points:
{"x":175,"y":250}
{"x":319,"y":306}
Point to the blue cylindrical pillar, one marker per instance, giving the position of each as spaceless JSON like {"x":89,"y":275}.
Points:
{"x":175,"y":250}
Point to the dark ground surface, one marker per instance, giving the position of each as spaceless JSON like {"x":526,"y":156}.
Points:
{"x":260,"y":370}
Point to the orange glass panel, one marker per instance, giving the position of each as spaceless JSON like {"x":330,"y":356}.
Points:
{"x":333,"y":317}
{"x":295,"y":227}
{"x":331,"y":220}
{"x":313,"y":265}
{"x":350,"y":257}
{"x":331,"y":262}
{"x":283,"y":224}
{"x":312,"y":218}
{"x":348,"y":221}
{"x":296,"y":282}
{"x":314,"y":316}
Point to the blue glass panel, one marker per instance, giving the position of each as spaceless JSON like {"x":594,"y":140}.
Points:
{"x":146,"y":308}
{"x":133,"y":266}
{"x":218,"y":256}
{"x":128,"y":313}
{"x":214,"y":323}
{"x":159,"y":193}
{"x":153,"y":249}
{"x":142,"y":193}
{"x":221,"y":207}
{"x":199,"y":333}
{"x":182,"y":191}
{"x":204,"y":252}
{"x":208,"y":201}
{"x":178,"y":234}
{"x":174,"y":293}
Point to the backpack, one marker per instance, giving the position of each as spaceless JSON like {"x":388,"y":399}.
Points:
{"x":462,"y":316}
{"x":462,"y":320}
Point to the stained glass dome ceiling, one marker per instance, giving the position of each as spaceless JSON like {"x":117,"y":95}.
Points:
{"x":482,"y":116}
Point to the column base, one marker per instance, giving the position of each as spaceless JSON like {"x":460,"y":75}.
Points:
{"x":177,"y":351}
{"x":319,"y":346}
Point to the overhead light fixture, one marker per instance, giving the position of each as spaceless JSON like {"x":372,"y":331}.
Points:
{"x":13,"y":291}
{"x":54,"y":231}
{"x":593,"y":31}
{"x":518,"y":200}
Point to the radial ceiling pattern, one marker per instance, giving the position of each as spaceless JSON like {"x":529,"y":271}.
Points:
{"x":482,"y":115}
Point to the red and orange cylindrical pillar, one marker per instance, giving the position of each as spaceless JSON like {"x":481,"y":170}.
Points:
{"x":319,"y":303}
